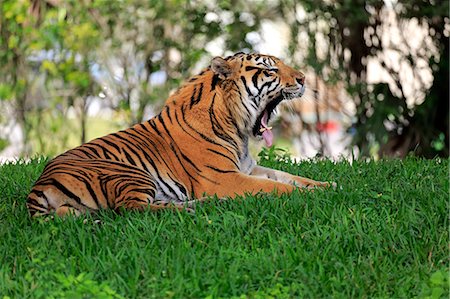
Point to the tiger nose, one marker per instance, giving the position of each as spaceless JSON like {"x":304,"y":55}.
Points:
{"x":300,"y":80}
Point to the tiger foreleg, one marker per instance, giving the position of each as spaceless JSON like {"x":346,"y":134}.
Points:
{"x":284,"y":177}
{"x":240,"y":184}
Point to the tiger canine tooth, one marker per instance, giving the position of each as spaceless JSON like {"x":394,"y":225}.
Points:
{"x":265,"y":129}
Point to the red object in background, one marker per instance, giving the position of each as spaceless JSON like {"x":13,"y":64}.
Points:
{"x":328,"y":127}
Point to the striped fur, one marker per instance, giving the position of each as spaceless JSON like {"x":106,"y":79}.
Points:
{"x":196,"y":146}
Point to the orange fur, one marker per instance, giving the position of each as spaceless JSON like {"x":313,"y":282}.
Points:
{"x":197,"y":145}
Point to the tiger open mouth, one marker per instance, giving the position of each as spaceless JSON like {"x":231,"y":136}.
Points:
{"x":261,"y":127}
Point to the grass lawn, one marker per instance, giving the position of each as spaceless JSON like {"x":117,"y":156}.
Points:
{"x":382,"y":233}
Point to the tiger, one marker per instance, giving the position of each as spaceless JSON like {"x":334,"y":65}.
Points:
{"x":196,"y":148}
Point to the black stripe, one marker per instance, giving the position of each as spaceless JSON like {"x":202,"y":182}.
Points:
{"x":189,"y":161}
{"x":177,"y":149}
{"x":191,"y":178}
{"x":184,"y":156}
{"x":35,"y":203}
{"x":240,"y":134}
{"x":204,"y":137}
{"x":130,"y":147}
{"x":199,"y":96}
{"x":168,"y":113}
{"x":217,"y":129}
{"x":193,"y":96}
{"x":220,"y":170}
{"x":153,"y":125}
{"x":161,"y":120}
{"x":110,"y":143}
{"x":85,"y":152}
{"x":192,"y":79}
{"x":214,"y":81}
{"x":92,"y":149}
{"x":255,"y":78}
{"x":268,"y":84}
{"x":223,"y":155}
{"x":91,"y":192}
{"x":143,"y":126}
{"x":181,"y":187}
{"x":245,"y":85}
{"x":65,"y":191}
{"x":171,"y":190}
{"x":104,"y":190}
{"x":39,"y":193}
{"x":251,"y":68}
{"x":138,"y":144}
{"x":276,"y":86}
{"x":181,"y":126}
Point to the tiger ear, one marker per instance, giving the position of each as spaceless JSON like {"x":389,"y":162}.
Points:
{"x":221,"y":67}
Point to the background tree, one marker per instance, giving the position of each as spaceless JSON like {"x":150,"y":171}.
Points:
{"x":46,"y":54}
{"x":68,"y":37}
{"x":16,"y":42}
{"x":429,"y":122}
{"x":133,"y":53}
{"x":343,"y":36}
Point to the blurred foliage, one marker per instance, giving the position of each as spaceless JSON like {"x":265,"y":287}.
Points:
{"x":353,"y":34}
{"x":57,"y":56}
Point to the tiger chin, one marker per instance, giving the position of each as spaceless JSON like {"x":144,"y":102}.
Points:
{"x":196,"y":147}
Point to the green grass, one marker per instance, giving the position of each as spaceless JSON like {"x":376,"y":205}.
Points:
{"x":383,"y":233}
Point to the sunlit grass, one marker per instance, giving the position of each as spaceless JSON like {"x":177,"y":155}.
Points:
{"x":382,"y":233}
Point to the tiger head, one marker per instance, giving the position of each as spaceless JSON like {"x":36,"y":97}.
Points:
{"x":253,"y":85}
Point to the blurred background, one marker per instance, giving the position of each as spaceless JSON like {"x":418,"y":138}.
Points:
{"x":377,"y":70}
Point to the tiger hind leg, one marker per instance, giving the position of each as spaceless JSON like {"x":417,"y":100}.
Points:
{"x":72,"y":186}
{"x":67,"y":210}
{"x":140,"y":195}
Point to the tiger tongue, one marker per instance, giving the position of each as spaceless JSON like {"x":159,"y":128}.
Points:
{"x":267,"y":134}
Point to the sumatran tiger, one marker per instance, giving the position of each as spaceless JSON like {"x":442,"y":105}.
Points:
{"x":196,"y":147}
